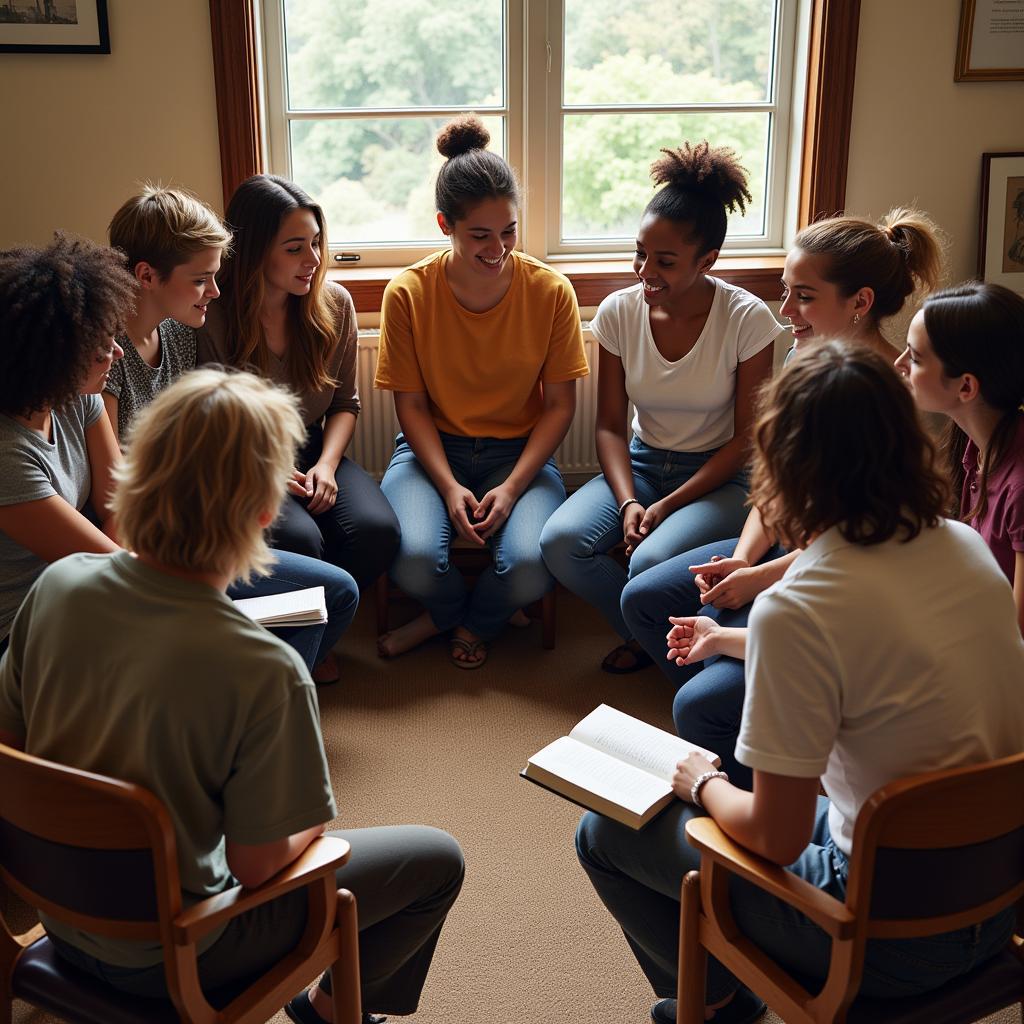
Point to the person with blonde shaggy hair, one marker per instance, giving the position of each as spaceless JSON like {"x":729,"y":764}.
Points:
{"x":157,"y":677}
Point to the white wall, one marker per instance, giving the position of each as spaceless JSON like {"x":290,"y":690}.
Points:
{"x":80,"y":130}
{"x":917,"y":136}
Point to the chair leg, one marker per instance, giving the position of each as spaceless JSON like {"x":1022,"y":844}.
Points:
{"x":547,"y":611}
{"x":381,"y":602}
{"x":345,"y":985}
{"x":692,"y":956}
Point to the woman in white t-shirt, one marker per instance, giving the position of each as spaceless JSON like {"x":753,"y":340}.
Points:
{"x":689,"y":352}
{"x":864,"y":665}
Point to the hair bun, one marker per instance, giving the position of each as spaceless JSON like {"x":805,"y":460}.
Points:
{"x":461,"y":135}
{"x":714,"y":171}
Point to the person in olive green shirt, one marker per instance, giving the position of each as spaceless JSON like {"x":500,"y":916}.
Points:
{"x":138,"y":666}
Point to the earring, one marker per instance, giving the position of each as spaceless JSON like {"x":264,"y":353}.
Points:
{"x":856,"y":319}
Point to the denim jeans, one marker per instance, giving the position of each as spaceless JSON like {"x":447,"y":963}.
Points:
{"x":297,"y":572}
{"x":638,"y":875}
{"x":579,"y":534}
{"x":709,"y":694}
{"x":517,"y":575}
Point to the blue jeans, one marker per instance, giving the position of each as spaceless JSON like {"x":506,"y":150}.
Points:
{"x":579,"y":534}
{"x":638,"y":875}
{"x":517,"y":575}
{"x":709,"y":695}
{"x":297,"y":572}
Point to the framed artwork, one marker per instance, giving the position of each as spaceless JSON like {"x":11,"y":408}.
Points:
{"x":990,"y":46}
{"x":1001,"y":249}
{"x":54,"y":26}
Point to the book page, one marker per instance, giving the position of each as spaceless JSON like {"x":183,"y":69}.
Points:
{"x":639,"y":744}
{"x":297,"y":607}
{"x":598,"y":773}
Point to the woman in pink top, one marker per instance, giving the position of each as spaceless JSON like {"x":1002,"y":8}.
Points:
{"x":965,"y":359}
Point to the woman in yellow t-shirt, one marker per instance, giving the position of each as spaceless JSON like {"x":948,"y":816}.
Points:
{"x":481,"y":346}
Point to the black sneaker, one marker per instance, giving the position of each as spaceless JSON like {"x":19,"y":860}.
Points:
{"x":743,"y":1008}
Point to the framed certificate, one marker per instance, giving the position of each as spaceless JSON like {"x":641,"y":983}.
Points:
{"x":990,"y":47}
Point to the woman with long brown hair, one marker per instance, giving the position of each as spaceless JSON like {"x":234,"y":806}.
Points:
{"x":280,"y":317}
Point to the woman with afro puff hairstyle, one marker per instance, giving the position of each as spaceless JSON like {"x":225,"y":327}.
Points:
{"x":689,"y":352}
{"x":60,"y":309}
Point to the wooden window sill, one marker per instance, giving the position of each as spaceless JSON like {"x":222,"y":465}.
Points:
{"x":592,"y":280}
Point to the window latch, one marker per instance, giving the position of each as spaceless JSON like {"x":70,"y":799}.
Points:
{"x":347,"y":257}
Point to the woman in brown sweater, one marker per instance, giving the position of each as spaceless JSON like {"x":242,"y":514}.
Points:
{"x":278,"y":316}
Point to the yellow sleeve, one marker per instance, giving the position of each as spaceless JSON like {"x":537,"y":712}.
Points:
{"x":566,"y":359}
{"x":398,"y":369}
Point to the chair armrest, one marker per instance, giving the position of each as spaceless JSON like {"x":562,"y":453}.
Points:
{"x":322,"y":857}
{"x":824,"y":910}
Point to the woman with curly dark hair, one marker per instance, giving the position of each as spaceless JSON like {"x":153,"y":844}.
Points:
{"x":689,"y":351}
{"x":858,"y":664}
{"x":60,"y":309}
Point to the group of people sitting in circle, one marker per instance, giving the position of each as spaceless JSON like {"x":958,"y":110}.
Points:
{"x":810,"y":510}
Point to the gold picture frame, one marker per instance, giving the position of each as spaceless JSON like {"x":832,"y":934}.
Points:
{"x":990,"y":44}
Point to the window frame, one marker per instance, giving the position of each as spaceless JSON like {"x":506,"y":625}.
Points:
{"x":831,"y":67}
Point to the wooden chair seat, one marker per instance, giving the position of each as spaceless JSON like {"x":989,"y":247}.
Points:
{"x":100,"y":854}
{"x":45,"y":980}
{"x":931,"y":854}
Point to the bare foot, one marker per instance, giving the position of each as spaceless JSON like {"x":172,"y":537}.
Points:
{"x":405,"y":638}
{"x":519,"y":619}
{"x":467,"y":649}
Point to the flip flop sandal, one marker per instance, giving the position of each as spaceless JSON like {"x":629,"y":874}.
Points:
{"x":469,"y":647}
{"x":641,"y":659}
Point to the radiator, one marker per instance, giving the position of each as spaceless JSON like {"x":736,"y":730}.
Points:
{"x":374,"y":439}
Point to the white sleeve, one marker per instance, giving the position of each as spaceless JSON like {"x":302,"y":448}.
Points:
{"x":607,"y":324}
{"x":793,"y":704}
{"x":758,"y":328}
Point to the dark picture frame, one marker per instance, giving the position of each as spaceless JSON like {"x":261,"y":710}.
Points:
{"x":88,"y":33}
{"x":1001,"y":220}
{"x":989,"y":47}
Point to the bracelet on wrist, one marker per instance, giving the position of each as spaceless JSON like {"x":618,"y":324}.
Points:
{"x":698,"y":783}
{"x":626,"y":504}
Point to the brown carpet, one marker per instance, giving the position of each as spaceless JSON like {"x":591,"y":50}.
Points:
{"x":417,"y":740}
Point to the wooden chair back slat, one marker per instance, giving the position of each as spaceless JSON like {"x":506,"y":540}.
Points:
{"x":114,"y":884}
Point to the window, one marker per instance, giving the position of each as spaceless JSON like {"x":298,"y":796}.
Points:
{"x":355,"y":94}
{"x":804,"y":164}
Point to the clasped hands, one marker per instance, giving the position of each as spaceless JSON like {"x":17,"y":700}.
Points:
{"x":476,"y":520}
{"x":317,"y":485}
{"x":727,"y":582}
{"x":638,"y":522}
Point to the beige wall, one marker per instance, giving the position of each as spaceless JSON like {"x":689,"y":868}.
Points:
{"x":917,"y":136}
{"x":79,"y":130}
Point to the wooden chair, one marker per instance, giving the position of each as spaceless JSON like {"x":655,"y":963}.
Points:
{"x":100,"y":855}
{"x":472,"y":561}
{"x":931,"y":853}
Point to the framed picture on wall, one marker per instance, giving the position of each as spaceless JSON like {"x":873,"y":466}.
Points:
{"x":1001,"y":249}
{"x":54,"y":26}
{"x":990,"y":46}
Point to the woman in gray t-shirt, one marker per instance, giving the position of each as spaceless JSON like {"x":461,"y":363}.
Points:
{"x":60,"y":310}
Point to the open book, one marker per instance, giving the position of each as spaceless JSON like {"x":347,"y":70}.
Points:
{"x":614,"y":764}
{"x":296,"y":608}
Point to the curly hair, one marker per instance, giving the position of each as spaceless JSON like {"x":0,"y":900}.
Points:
{"x":838,"y":443}
{"x":471,"y":172}
{"x":58,"y":305}
{"x":701,"y":183}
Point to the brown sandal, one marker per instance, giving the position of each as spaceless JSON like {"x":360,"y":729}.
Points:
{"x":472,"y":648}
{"x":641,"y":659}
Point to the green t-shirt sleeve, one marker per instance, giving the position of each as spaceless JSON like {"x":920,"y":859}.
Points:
{"x":279,"y":784}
